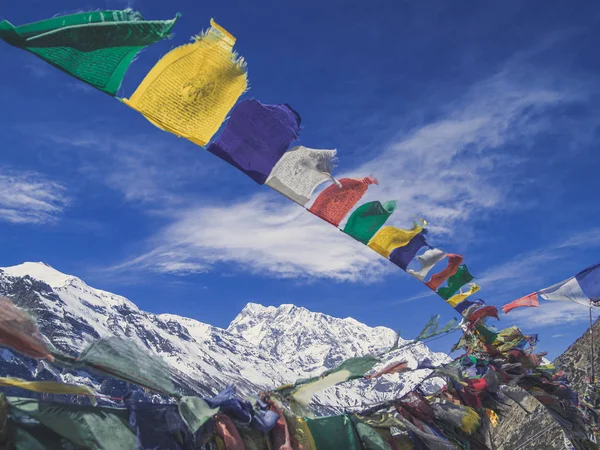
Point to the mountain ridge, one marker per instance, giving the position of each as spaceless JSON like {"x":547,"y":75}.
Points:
{"x":263,"y":347}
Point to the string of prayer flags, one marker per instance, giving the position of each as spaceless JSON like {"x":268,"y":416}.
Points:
{"x":335,"y":202}
{"x":192,"y":88}
{"x":299,"y":171}
{"x":530,"y":300}
{"x":18,"y":331}
{"x":454,"y":261}
{"x":427,"y":260}
{"x":123,"y":359}
{"x":367,"y":219}
{"x":402,"y":256}
{"x":95,"y":47}
{"x":256,"y":137}
{"x":457,"y":299}
{"x":389,"y":238}
{"x":49,"y":387}
{"x":455,"y":282}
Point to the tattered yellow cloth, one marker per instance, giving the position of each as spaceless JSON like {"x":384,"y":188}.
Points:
{"x":460,"y":297}
{"x":492,"y":416}
{"x":389,"y":238}
{"x":192,"y":88}
{"x":49,"y":387}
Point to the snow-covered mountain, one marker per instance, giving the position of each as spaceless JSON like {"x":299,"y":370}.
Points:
{"x":262,"y":348}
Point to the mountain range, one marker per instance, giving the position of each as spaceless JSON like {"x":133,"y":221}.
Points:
{"x":262,"y":348}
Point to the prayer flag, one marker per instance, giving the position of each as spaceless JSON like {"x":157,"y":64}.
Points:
{"x":589,"y":281}
{"x":455,"y":282}
{"x":19,"y":332}
{"x":453,"y":262}
{"x":256,"y":137}
{"x":568,"y":290}
{"x":529,"y":300}
{"x":427,"y":260}
{"x":430,"y":328}
{"x":195,"y":412}
{"x":466,"y":304}
{"x":96,"y":47}
{"x":299,"y":171}
{"x":49,"y":387}
{"x":456,"y":299}
{"x":336,"y":201}
{"x":348,"y":370}
{"x":192,"y":88}
{"x":367,"y":219}
{"x":389,"y":238}
{"x":482,"y":313}
{"x":402,"y":256}
{"x":397,"y":367}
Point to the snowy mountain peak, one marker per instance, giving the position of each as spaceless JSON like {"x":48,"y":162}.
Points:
{"x":40,"y":271}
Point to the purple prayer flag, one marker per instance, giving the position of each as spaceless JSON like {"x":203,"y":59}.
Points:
{"x":466,"y":304}
{"x":589,"y":281}
{"x":402,"y":256}
{"x":256,"y":137}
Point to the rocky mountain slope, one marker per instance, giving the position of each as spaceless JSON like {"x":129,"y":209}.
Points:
{"x":262,"y":348}
{"x":537,"y":430}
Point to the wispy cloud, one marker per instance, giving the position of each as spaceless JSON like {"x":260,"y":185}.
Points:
{"x":259,"y":236}
{"x":28,"y":197}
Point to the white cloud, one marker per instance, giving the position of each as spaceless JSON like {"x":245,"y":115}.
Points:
{"x":260,"y":236}
{"x":28,"y":197}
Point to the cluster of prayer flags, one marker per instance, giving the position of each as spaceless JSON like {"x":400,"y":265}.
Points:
{"x":582,"y":288}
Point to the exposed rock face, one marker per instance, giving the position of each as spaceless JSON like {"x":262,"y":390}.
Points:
{"x":539,"y":430}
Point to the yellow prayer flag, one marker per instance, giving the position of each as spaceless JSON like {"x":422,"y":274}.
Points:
{"x":389,"y":238}
{"x":492,"y":416}
{"x":457,"y":298}
{"x":192,"y":88}
{"x":49,"y":387}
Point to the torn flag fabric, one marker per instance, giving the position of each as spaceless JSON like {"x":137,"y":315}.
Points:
{"x":397,"y":367}
{"x":389,"y":238}
{"x":299,"y":171}
{"x":427,"y":260}
{"x":19,"y":332}
{"x":454,"y":261}
{"x":335,"y":202}
{"x":367,"y":219}
{"x":487,"y":311}
{"x":456,"y":299}
{"x":455,"y":282}
{"x":192,"y":88}
{"x":256,"y":137}
{"x":430,"y":329}
{"x":529,"y":300}
{"x":95,"y":47}
{"x":402,"y":256}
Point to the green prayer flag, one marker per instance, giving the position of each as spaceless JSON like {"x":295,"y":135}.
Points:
{"x":371,"y":439}
{"x":123,"y":359}
{"x":334,"y":432}
{"x":430,"y":329}
{"x":195,"y":412}
{"x":449,"y":326}
{"x":455,"y":282}
{"x":367,"y":219}
{"x":96,"y":47}
{"x":86,"y":426}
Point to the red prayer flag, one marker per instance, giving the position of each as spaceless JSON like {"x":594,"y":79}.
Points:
{"x":335,"y":202}
{"x":482,"y":313}
{"x":529,"y":300}
{"x":453,"y":262}
{"x":392,"y":368}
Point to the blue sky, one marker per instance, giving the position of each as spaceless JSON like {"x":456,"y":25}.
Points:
{"x":480,"y":118}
